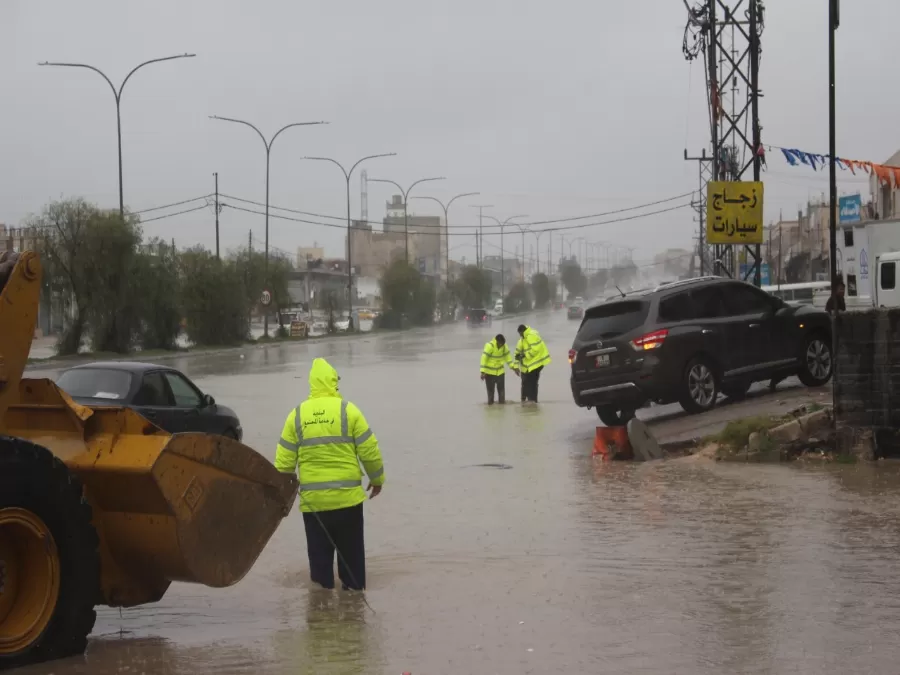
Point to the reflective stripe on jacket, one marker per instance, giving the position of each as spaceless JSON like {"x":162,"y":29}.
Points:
{"x":531,"y":351}
{"x":324,"y":440}
{"x":493,"y":358}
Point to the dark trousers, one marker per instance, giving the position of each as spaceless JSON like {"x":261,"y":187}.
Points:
{"x":497,"y":382}
{"x":342,"y":528}
{"x":530,"y":385}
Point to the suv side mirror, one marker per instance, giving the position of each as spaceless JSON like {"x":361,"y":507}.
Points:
{"x":208,"y":400}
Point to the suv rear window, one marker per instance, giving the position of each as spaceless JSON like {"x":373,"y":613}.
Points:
{"x":477,"y":313}
{"x":612,"y":319}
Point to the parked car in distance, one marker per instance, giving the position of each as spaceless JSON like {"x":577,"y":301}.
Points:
{"x":688,"y":342}
{"x":558,"y":304}
{"x":164,"y":396}
{"x":575,"y":312}
{"x":477,"y":317}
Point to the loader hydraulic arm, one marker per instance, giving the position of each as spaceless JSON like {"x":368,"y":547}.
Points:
{"x":20,"y":292}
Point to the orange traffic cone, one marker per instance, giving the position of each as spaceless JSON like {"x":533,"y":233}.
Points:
{"x":612,"y":443}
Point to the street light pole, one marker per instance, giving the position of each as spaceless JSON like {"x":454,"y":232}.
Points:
{"x":117,"y":93}
{"x":347,"y":175}
{"x":502,"y":262}
{"x":446,"y":208}
{"x":405,"y":194}
{"x":268,"y":146}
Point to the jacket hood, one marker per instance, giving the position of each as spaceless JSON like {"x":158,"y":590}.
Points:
{"x":323,"y":379}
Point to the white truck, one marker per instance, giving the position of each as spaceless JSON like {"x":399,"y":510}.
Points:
{"x":868,"y":258}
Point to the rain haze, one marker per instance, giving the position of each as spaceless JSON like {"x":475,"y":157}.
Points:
{"x":581,"y":109}
{"x":505,"y":540}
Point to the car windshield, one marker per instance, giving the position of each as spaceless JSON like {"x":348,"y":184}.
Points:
{"x":612,"y":319}
{"x":102,"y":383}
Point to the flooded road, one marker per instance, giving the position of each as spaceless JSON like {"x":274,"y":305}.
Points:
{"x":558,"y":564}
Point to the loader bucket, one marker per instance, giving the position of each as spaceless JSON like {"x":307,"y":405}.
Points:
{"x":186,"y":507}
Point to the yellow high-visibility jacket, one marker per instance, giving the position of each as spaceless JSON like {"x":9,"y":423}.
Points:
{"x":531,"y":351}
{"x":323,"y":440}
{"x":494,"y":357}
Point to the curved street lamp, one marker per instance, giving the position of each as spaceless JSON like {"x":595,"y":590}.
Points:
{"x":405,"y":194}
{"x":502,"y":265}
{"x":347,"y":175}
{"x":268,"y":146}
{"x":117,"y":93}
{"x":446,"y":208}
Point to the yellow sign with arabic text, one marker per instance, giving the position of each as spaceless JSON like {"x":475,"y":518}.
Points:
{"x":734,"y":212}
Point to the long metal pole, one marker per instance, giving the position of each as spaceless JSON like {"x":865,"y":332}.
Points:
{"x":216,"y":174}
{"x":833,"y":22}
{"x":268,"y":145}
{"x":347,"y":176}
{"x":117,"y":93}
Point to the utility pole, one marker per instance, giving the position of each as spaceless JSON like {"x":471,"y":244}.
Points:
{"x":834,"y":21}
{"x":479,"y":235}
{"x":704,"y":173}
{"x":216,"y":174}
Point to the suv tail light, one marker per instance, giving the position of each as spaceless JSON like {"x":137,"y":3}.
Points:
{"x":467,"y":317}
{"x":572,"y":355}
{"x":652,"y":340}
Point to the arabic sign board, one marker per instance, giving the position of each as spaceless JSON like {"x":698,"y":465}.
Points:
{"x":849,"y":209}
{"x":299,"y":329}
{"x":266,"y":298}
{"x":734,"y":212}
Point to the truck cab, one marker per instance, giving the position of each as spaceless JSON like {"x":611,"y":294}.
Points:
{"x":887,"y":291}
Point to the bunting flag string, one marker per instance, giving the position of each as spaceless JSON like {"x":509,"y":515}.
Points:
{"x":885,"y":173}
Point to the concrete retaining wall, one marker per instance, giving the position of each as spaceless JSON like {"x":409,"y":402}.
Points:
{"x":867,"y":378}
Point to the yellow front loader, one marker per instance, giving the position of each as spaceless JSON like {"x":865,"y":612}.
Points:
{"x":100,"y":507}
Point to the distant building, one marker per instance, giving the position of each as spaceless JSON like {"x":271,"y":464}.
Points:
{"x":305,"y":253}
{"x":428,"y":232}
{"x":17,"y":239}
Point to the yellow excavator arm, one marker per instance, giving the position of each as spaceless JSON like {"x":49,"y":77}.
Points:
{"x":100,"y":506}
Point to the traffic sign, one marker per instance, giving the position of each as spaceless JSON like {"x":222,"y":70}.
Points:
{"x":266,"y":298}
{"x":734,"y":212}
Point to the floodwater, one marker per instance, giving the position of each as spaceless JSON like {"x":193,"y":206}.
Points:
{"x":559,"y":564}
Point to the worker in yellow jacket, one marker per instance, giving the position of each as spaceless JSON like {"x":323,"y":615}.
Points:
{"x":494,"y":359}
{"x":531,"y":356}
{"x":324,"y":440}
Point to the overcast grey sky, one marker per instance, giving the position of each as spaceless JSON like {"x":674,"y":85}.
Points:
{"x":547,"y":110}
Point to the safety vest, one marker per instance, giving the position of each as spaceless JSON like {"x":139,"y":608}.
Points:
{"x":494,"y":357}
{"x":323,"y":440}
{"x":531,"y":351}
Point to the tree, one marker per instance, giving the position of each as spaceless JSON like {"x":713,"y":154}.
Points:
{"x":406,"y":296}
{"x":251,"y":267}
{"x":572,"y":278}
{"x":156,"y":275}
{"x":473,"y":287}
{"x":624,"y":273}
{"x":214,"y":298}
{"x":63,"y":227}
{"x":113,"y":287}
{"x":518,"y":299}
{"x":599,"y":279}
{"x":540,"y":286}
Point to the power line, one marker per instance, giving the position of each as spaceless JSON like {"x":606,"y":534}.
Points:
{"x":172,"y":215}
{"x":471,"y":229}
{"x":468,"y":228}
{"x":166,"y":206}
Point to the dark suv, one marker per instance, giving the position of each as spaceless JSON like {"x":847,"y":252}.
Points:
{"x":689,"y":341}
{"x":477,"y":317}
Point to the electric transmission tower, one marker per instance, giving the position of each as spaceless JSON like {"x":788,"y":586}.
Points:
{"x":726,"y":33}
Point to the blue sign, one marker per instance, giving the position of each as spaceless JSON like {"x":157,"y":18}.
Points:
{"x":764,"y":279}
{"x":850,"y":209}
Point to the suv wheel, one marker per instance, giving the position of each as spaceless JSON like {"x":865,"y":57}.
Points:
{"x":614,"y":417}
{"x":816,"y":361}
{"x":699,"y":386}
{"x":736,"y":390}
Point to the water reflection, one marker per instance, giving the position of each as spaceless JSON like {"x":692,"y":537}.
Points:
{"x":335,"y":637}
